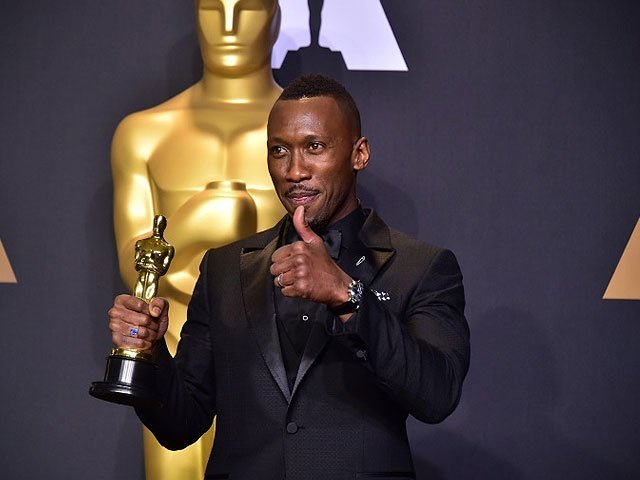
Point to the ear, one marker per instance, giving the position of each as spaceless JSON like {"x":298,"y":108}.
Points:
{"x":360,"y":154}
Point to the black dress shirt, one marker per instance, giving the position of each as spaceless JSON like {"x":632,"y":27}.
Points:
{"x":295,"y":316}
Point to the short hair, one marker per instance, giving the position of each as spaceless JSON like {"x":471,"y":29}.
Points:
{"x":315,"y":85}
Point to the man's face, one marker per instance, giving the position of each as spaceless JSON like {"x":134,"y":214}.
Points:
{"x":313,"y":155}
{"x":236,"y":36}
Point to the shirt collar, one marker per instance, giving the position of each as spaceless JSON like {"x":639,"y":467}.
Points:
{"x":349,"y":227}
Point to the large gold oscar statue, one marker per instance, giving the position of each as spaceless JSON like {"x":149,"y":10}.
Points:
{"x":200,"y":159}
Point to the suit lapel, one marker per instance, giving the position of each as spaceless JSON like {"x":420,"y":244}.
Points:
{"x":372,"y":250}
{"x":257,"y":295}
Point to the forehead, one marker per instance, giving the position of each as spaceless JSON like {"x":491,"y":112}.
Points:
{"x":320,"y":116}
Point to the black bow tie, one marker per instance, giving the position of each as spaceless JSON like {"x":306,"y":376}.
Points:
{"x":332,"y":240}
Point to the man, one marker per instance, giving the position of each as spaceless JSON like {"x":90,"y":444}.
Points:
{"x":314,"y":340}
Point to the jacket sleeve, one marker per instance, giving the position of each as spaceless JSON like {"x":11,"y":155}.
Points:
{"x":186,"y":383}
{"x":421,"y":356}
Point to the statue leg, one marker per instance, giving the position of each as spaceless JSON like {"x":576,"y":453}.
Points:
{"x":151,"y":286}
{"x":187,"y":464}
{"x":141,"y":285}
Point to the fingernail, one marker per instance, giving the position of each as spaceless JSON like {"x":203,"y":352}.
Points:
{"x":156,"y":310}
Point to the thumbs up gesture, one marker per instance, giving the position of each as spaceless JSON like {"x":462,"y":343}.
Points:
{"x":304,"y":269}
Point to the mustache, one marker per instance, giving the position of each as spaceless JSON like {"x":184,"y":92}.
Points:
{"x":296,"y":190}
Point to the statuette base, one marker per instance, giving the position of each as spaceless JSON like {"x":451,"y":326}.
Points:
{"x":128,"y":381}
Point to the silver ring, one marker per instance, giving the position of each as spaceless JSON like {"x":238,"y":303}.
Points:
{"x":279,"y":280}
{"x":133,"y":332}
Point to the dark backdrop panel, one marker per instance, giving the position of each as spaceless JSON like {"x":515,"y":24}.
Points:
{"x":514,"y":139}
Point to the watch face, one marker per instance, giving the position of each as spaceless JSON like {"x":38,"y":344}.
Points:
{"x":355,"y":291}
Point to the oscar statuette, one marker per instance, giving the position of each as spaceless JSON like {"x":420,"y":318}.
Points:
{"x":130,"y":375}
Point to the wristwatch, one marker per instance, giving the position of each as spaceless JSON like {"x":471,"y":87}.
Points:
{"x":354,"y":291}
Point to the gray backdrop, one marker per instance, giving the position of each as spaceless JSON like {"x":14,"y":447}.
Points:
{"x":514,"y":139}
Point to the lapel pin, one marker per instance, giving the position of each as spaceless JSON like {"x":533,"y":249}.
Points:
{"x":360,"y":260}
{"x":381,"y":296}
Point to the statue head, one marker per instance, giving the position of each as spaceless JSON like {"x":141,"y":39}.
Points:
{"x":159,"y":224}
{"x":236,"y":36}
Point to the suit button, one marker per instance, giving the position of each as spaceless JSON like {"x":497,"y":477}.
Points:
{"x":292,"y":427}
{"x":361,"y":354}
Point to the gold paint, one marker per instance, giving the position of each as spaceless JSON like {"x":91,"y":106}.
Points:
{"x":625,"y":282}
{"x":200,"y":159}
{"x":6,"y":272}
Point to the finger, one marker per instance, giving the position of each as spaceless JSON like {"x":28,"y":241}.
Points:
{"x":283,"y":280}
{"x":304,"y":231}
{"x":130,"y":336}
{"x":132,"y":303}
{"x":297,"y":288}
{"x":122,"y":341}
{"x":135,"y":331}
{"x":289,"y":291}
{"x":131,"y":317}
{"x":285,"y":265}
{"x":281,"y":253}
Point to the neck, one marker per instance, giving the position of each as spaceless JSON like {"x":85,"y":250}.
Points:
{"x":254,"y":87}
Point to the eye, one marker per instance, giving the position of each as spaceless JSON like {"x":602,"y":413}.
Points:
{"x":210,"y":5}
{"x":315,"y":146}
{"x":253,"y":5}
{"x":277,"y":151}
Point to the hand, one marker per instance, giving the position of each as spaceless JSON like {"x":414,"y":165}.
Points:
{"x":129,"y":312}
{"x":304,"y":269}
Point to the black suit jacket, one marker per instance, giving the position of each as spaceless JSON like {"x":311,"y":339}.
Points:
{"x":405,"y":351}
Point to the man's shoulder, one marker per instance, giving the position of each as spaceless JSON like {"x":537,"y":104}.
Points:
{"x":419,"y":256}
{"x":397,"y":240}
{"x":404,"y":242}
{"x":413,"y":256}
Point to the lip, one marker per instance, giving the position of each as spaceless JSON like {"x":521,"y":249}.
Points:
{"x":302,"y":198}
{"x":229,"y":46}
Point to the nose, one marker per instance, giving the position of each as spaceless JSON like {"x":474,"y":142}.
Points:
{"x":298,"y":169}
{"x":229,"y":12}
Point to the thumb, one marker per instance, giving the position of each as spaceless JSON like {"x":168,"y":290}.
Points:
{"x":158,"y":307}
{"x":306,"y":234}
